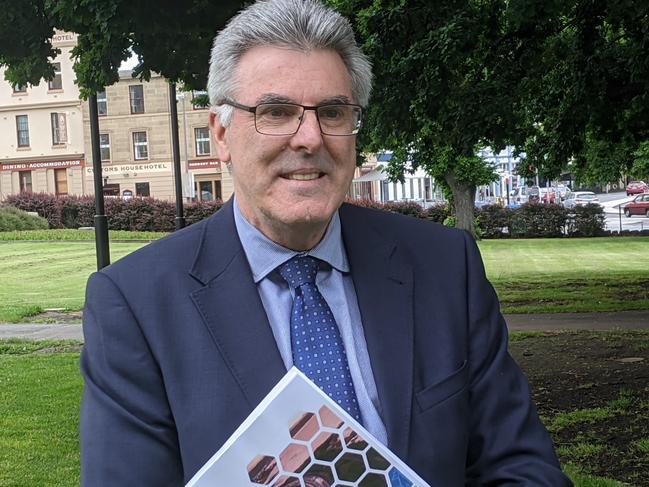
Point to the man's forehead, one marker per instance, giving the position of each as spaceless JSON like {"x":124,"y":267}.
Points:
{"x":278,"y":74}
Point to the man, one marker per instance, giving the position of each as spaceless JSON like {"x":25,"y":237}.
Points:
{"x":186,"y":336}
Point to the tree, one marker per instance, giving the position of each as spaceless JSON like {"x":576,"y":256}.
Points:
{"x":170,"y":37}
{"x":446,"y":78}
{"x":566,"y":82}
{"x":586,"y":101}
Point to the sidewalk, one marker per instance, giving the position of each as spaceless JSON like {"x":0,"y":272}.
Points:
{"x":625,"y":320}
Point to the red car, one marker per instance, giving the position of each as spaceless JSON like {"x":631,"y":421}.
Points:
{"x":636,"y":187}
{"x":639,"y":206}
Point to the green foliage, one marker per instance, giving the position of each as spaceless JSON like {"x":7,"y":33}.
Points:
{"x":25,"y":33}
{"x":535,"y":220}
{"x":640,"y":168}
{"x":174,"y":40}
{"x":444,"y":85}
{"x":584,"y":99}
{"x":586,"y":221}
{"x":449,"y":221}
{"x":135,"y":214}
{"x":14,"y":219}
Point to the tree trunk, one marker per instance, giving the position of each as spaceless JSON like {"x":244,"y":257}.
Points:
{"x":464,"y":203}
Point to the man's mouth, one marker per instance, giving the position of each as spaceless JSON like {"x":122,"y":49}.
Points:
{"x":303,"y":176}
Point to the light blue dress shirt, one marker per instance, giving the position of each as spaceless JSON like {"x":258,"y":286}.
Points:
{"x":335,"y":283}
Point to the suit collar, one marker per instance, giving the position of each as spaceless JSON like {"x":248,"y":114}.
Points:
{"x":383,"y":282}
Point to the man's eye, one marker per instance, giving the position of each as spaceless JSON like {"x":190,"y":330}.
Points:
{"x":332,"y":113}
{"x":277,"y":112}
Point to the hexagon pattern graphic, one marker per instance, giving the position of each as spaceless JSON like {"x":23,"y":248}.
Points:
{"x":325,"y":452}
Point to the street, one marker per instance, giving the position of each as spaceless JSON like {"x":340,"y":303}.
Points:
{"x":615,"y":219}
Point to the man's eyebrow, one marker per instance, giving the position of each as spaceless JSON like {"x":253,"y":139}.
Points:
{"x":276,"y":98}
{"x":273,"y":98}
{"x":339,"y":99}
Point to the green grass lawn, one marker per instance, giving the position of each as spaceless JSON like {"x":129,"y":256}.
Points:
{"x":40,"y":275}
{"x":535,"y":275}
{"x":563,"y":275}
{"x":40,"y":391}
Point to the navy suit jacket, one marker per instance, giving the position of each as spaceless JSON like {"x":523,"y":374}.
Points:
{"x":178,"y":351}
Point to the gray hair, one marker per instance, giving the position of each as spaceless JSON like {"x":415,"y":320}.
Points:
{"x":299,"y":24}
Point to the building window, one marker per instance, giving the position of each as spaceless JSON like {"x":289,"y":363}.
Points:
{"x":102,"y":105}
{"x":142,"y":189}
{"x":140,"y":146}
{"x":57,"y":82}
{"x":202,"y":137}
{"x":61,"y":181}
{"x":18,"y":88}
{"x":111,"y":189}
{"x":25,"y":178}
{"x":59,"y":129}
{"x":104,"y":147}
{"x":136,"y":95}
{"x":22,"y":130}
{"x":208,"y":190}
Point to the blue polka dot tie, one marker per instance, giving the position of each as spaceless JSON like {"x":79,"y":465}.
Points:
{"x":318,"y":348}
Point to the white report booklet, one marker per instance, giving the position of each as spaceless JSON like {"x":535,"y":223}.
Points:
{"x":299,"y":437}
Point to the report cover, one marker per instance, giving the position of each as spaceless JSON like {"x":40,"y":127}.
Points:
{"x":299,"y":437}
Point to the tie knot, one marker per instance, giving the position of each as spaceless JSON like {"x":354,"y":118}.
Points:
{"x":301,"y":269}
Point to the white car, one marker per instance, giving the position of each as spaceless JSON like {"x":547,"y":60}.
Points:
{"x":580,"y":198}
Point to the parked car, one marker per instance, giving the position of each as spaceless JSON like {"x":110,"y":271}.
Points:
{"x":639,"y":206}
{"x":636,"y":187}
{"x":580,"y":198}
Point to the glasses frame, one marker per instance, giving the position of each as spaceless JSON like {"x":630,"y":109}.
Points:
{"x":315,"y":109}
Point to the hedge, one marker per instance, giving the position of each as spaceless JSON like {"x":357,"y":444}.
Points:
{"x":135,"y":214}
{"x":149,"y":214}
{"x":540,"y":220}
{"x":12,"y":219}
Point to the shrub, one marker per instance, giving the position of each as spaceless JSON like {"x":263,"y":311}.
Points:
{"x":586,"y":221}
{"x":199,"y":210}
{"x":538,"y":220}
{"x":46,"y":205}
{"x":77,"y":211}
{"x":494,"y":221}
{"x":437,"y":213}
{"x":12,"y":219}
{"x":409,"y":208}
{"x":135,"y":214}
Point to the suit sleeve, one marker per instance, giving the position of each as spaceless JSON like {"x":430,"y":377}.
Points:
{"x":127,"y":430}
{"x":508,"y":444}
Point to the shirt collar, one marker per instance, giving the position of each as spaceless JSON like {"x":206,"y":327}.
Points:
{"x":264,"y":255}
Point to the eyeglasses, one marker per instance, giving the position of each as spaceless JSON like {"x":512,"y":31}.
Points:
{"x":286,"y":118}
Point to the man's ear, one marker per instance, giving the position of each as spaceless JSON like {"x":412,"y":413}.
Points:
{"x":218,"y":134}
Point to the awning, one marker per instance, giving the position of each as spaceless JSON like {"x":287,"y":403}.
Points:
{"x":373,"y":175}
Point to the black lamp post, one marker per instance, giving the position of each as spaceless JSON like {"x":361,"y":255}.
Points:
{"x":101,"y":221}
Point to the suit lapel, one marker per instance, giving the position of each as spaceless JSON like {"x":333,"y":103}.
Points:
{"x":384,"y":289}
{"x":231,"y":308}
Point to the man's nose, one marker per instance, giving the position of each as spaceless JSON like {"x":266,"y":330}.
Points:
{"x":308,"y":133}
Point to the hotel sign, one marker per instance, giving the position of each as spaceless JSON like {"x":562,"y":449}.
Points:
{"x":32,"y":165}
{"x":126,"y":168}
{"x":61,"y":37}
{"x":204,"y":164}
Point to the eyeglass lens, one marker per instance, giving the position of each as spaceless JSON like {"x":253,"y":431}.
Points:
{"x":285,"y":119}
